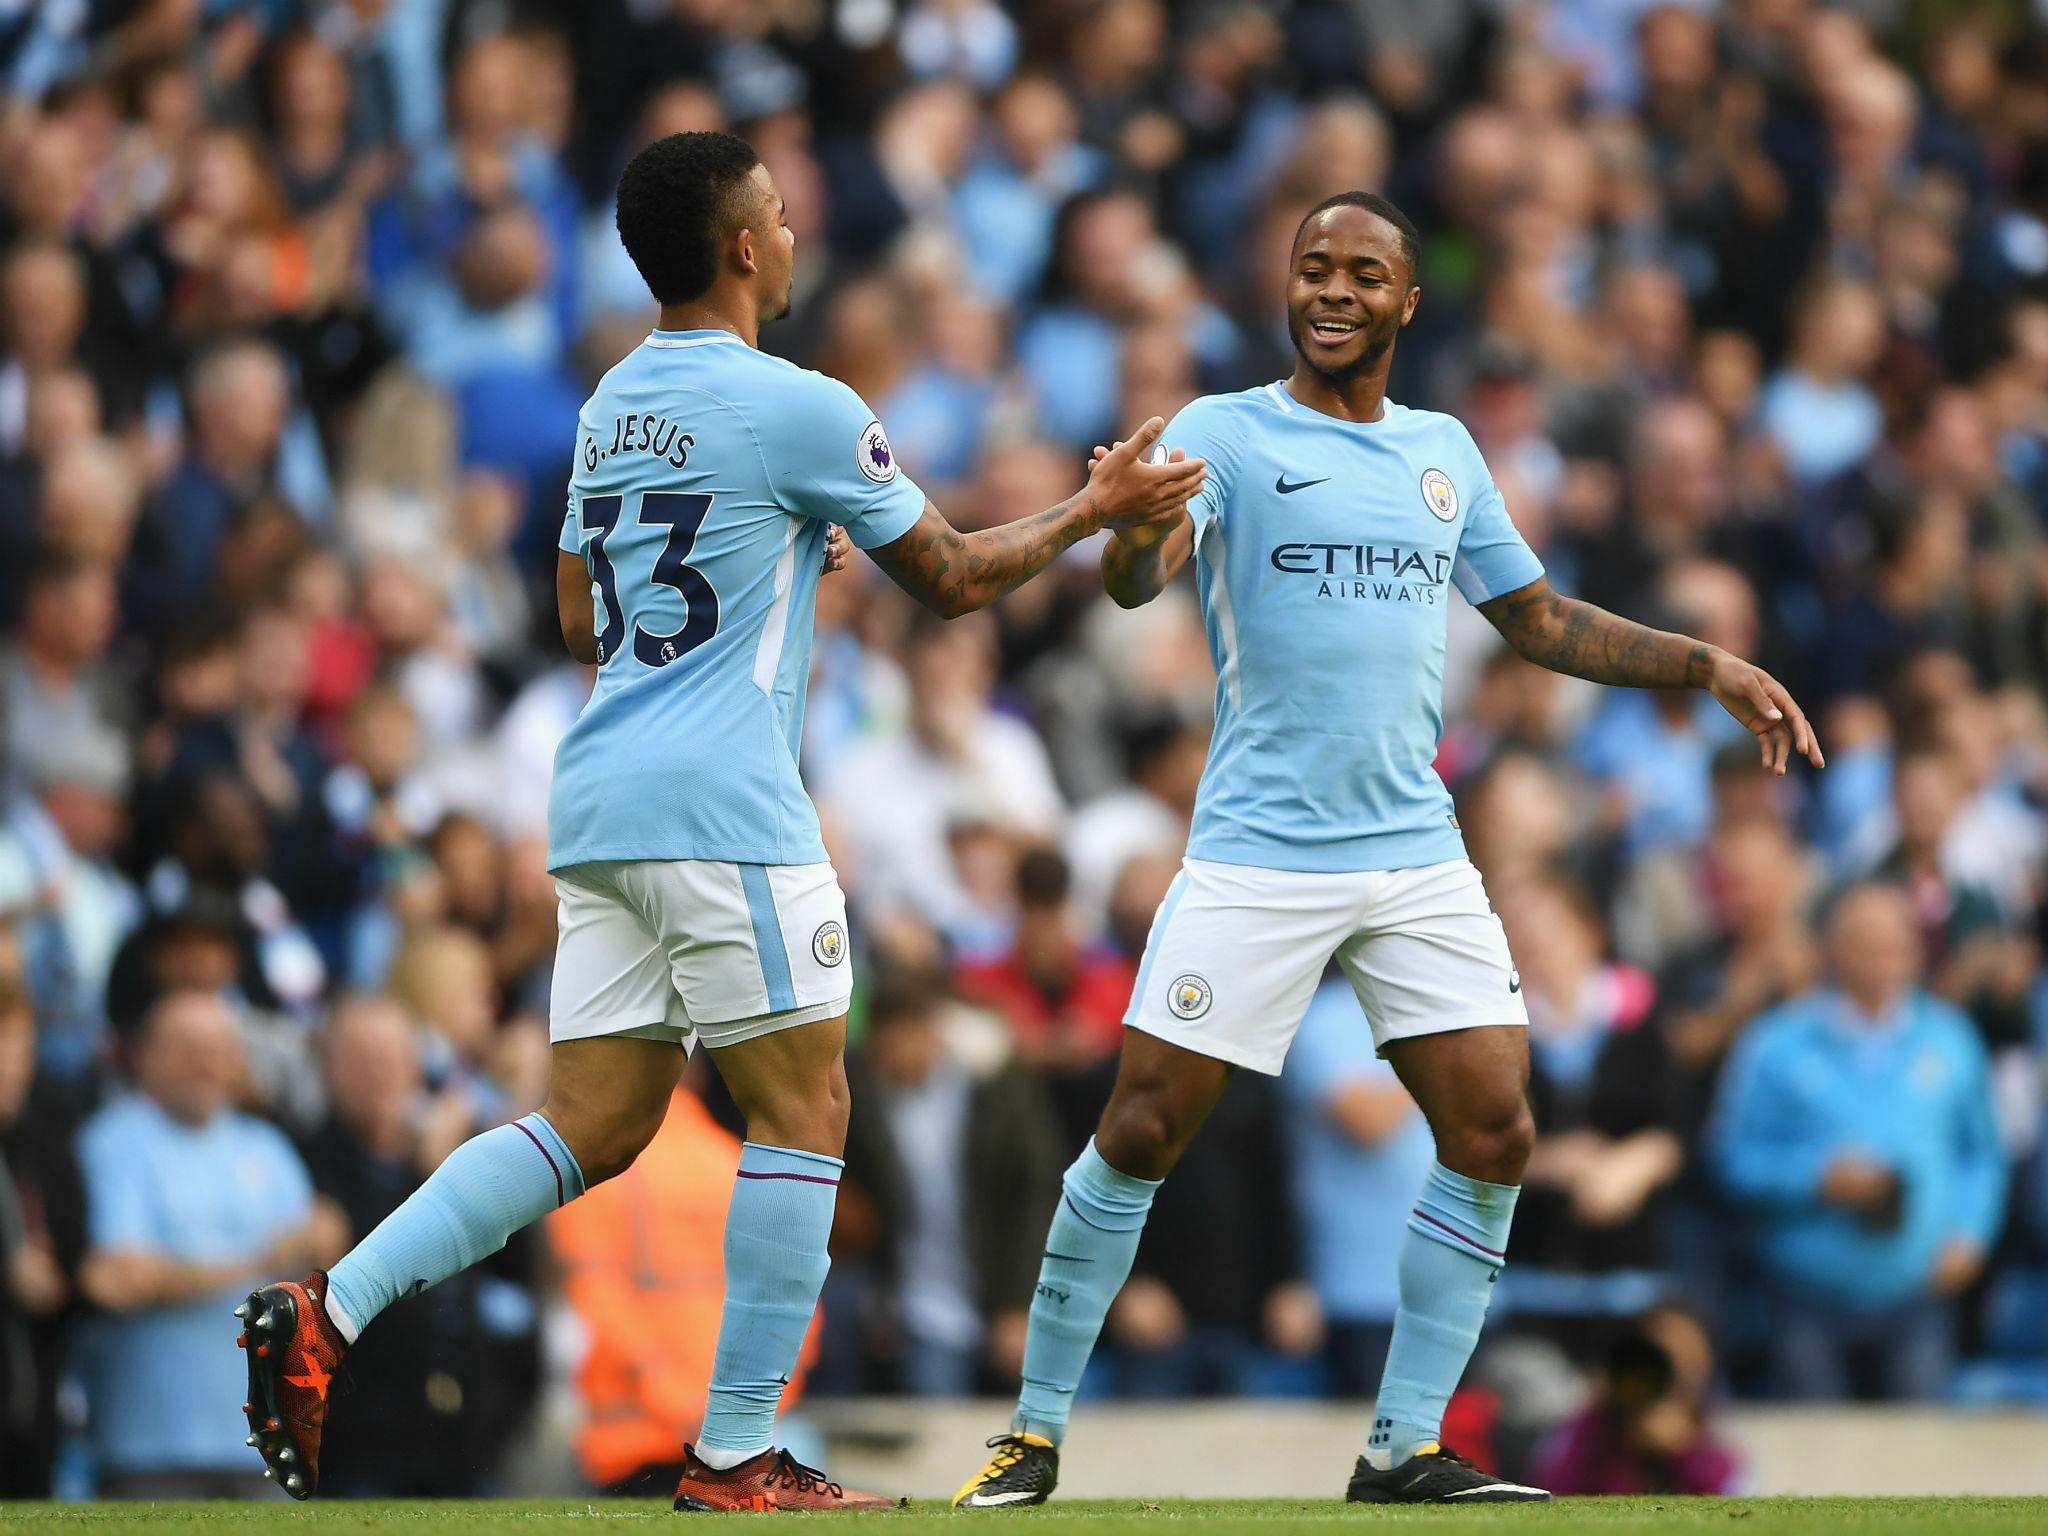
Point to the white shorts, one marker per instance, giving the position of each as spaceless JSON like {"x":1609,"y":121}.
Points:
{"x":1237,"y":951}
{"x":695,"y":949}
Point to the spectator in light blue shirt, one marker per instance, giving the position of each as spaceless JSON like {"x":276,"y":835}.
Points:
{"x":1820,"y":410}
{"x":1656,"y":749}
{"x":490,"y":312}
{"x":190,"y":1203}
{"x":1359,"y":1148}
{"x":1071,"y":350}
{"x":1856,"y":1126}
{"x":1006,"y":203}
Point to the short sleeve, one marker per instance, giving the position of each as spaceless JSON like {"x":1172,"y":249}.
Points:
{"x":828,"y":458}
{"x":571,"y":541}
{"x":1206,"y":429}
{"x":1493,"y":557}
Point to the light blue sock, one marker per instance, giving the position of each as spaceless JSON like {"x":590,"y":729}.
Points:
{"x":1454,"y":1250}
{"x":775,"y":1265}
{"x":1088,"y":1253}
{"x":489,"y":1187}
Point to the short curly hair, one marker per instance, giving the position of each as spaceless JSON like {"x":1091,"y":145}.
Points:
{"x":679,"y":199}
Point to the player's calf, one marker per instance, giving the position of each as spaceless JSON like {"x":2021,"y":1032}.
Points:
{"x":790,"y":1083}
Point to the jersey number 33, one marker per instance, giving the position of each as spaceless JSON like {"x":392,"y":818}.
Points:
{"x":683,"y":514}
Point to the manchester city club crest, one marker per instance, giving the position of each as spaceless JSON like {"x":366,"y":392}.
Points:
{"x":1189,"y":996}
{"x":828,"y":944}
{"x":1440,"y":494}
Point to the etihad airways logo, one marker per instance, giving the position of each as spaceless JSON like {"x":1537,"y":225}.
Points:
{"x":1390,"y":573}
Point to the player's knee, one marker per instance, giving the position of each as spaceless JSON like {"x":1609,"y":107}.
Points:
{"x":606,"y":1139}
{"x":1141,"y":1135}
{"x":1492,"y":1143}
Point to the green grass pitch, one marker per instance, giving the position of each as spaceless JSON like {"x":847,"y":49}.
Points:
{"x":1122,"y":1517}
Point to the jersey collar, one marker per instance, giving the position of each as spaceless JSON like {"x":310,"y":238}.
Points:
{"x":1293,"y":407}
{"x":705,"y":338}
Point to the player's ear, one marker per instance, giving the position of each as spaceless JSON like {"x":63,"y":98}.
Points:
{"x":743,"y":250}
{"x":1408,"y":306}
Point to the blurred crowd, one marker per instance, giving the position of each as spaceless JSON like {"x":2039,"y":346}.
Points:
{"x":1747,"y":305}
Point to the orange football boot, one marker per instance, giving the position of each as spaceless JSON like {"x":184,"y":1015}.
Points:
{"x":773,"y":1480}
{"x":294,"y":1350}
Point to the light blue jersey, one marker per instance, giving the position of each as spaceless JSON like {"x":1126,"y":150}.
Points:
{"x":1323,"y":553}
{"x":706,"y":475}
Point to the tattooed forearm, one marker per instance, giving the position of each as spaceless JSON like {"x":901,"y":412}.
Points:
{"x":952,"y":573}
{"x":1578,"y":639}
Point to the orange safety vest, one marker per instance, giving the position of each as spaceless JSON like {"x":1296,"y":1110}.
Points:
{"x":643,"y":1261}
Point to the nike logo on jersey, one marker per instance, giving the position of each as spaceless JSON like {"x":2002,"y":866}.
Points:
{"x":1285,"y":489}
{"x":1514,"y":981}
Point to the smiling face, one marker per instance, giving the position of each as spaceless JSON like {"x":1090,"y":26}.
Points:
{"x":1349,"y":293}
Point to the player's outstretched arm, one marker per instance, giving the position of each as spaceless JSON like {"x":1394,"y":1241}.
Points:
{"x":952,"y":573}
{"x":1580,"y":640}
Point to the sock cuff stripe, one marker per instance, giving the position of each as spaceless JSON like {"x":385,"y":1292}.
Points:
{"x":561,"y":1196}
{"x":1069,"y":1199}
{"x":1086,"y":1220}
{"x":1419,"y":1214}
{"x":794,"y":1178}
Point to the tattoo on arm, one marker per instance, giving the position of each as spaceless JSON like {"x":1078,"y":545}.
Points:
{"x":1580,"y":640}
{"x":952,"y":573}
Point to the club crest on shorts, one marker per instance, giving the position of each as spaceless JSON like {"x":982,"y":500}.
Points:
{"x":1440,"y":494}
{"x":1189,"y":996}
{"x":875,"y":458}
{"x":828,"y":944}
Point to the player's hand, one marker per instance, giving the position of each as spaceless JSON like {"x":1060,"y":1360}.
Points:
{"x":838,"y":549}
{"x":1126,"y":491}
{"x":1766,"y":710}
{"x":1144,"y":535}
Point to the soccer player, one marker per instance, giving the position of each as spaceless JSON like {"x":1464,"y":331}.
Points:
{"x":696,"y":902}
{"x":1331,"y":524}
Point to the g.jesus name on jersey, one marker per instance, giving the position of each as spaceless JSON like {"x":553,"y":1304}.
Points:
{"x":706,"y":476}
{"x":1323,"y":549}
